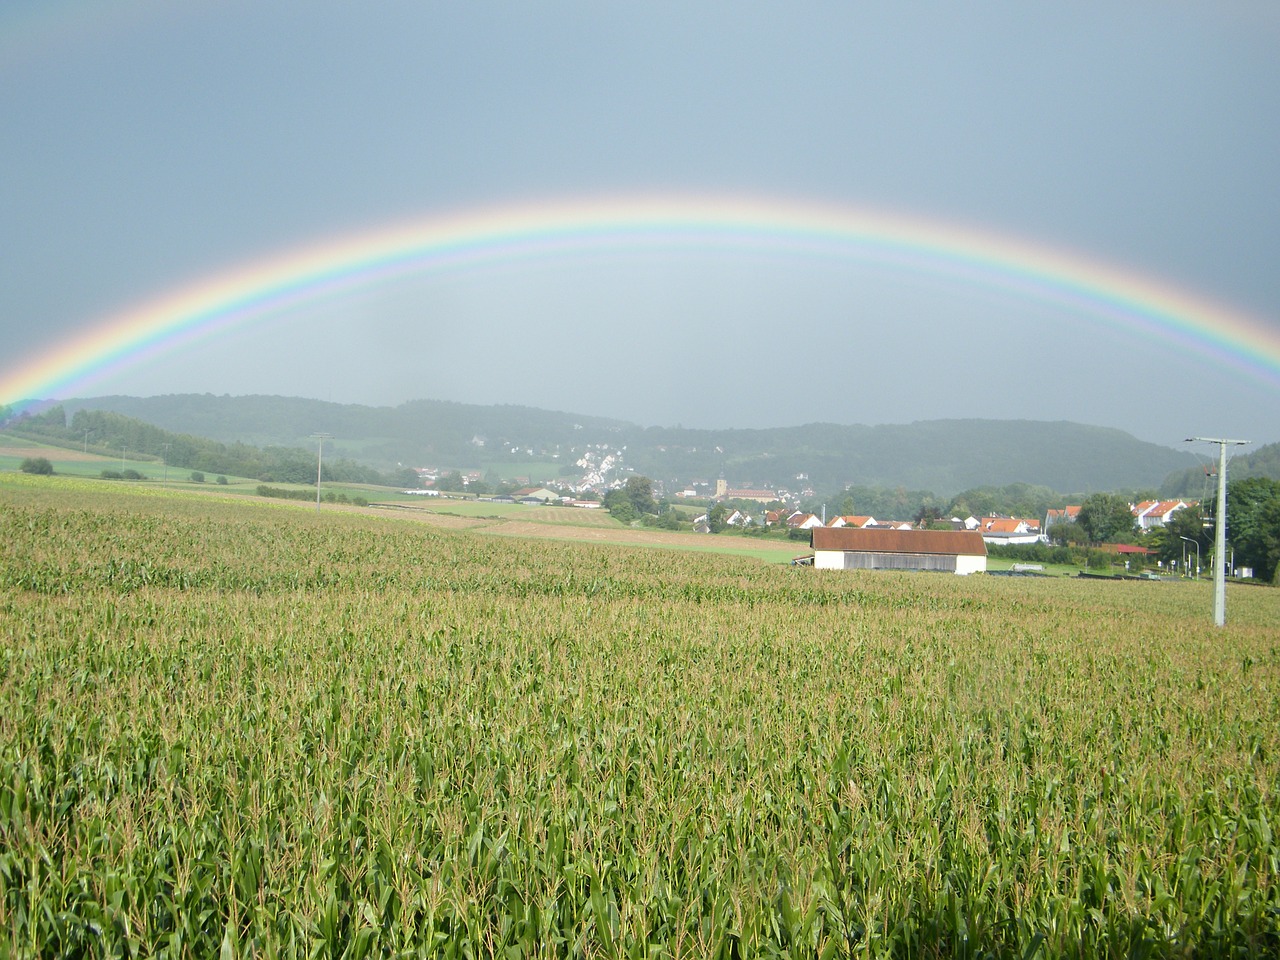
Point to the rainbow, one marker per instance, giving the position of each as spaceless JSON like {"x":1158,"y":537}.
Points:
{"x":1108,"y":294}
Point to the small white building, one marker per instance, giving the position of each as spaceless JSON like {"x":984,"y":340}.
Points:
{"x":949,"y":551}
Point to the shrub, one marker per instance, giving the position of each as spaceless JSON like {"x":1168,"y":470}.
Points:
{"x":131,"y":475}
{"x":669,"y":521}
{"x":222,"y":481}
{"x":197,"y":476}
{"x":623,"y":511}
{"x":37,"y":465}
{"x":111,"y":475}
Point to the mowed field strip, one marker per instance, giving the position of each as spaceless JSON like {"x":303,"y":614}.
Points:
{"x":587,"y":526}
{"x":241,"y":728}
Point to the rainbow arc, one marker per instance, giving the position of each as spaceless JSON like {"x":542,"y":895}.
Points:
{"x":1108,"y":294}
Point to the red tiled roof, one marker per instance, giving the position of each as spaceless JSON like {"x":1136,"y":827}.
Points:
{"x":1000,"y":525}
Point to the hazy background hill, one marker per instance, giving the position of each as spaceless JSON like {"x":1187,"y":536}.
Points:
{"x":1200,"y":482}
{"x":943,"y":456}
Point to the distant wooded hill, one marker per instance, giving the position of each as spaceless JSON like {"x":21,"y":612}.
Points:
{"x":943,"y":456}
{"x":114,"y":434}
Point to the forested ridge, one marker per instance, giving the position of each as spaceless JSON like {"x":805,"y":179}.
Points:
{"x":943,"y":456}
{"x":109,"y":433}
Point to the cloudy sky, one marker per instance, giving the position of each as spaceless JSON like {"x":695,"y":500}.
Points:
{"x":149,"y":146}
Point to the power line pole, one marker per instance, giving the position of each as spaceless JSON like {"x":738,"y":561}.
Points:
{"x":1220,"y":528}
{"x":322,"y":437}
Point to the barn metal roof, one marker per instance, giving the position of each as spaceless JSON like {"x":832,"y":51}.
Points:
{"x":967,"y":543}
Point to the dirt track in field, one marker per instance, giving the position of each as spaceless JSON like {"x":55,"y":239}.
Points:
{"x":60,"y":453}
{"x":522,"y":528}
{"x":584,"y":534}
{"x":446,"y":520}
{"x":517,"y":528}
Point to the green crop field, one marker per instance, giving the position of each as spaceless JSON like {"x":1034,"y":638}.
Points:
{"x":238,"y":728}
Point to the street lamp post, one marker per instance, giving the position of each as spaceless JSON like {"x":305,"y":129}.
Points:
{"x":1196,"y":544}
{"x":322,"y":437}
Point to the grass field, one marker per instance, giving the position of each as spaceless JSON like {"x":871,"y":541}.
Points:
{"x":242,"y":728}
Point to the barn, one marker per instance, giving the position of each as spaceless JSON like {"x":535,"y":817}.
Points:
{"x":848,"y":548}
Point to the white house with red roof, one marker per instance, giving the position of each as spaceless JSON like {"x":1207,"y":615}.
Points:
{"x":1156,"y":513}
{"x":803,"y":521}
{"x":857,"y":522}
{"x":1009,"y":530}
{"x":1065,"y":515}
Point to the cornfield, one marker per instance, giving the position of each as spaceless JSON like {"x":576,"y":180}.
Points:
{"x":254,"y":730}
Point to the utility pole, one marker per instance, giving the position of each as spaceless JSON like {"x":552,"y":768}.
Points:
{"x":166,"y":462}
{"x":322,"y":437}
{"x":1220,"y":528}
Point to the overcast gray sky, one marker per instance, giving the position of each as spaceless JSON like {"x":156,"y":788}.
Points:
{"x":148,"y":145}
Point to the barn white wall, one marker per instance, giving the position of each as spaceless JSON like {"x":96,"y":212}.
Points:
{"x":842,"y":560}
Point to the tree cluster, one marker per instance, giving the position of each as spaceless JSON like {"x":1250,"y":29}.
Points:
{"x":1253,"y":529}
{"x":1253,"y":525}
{"x":633,"y":501}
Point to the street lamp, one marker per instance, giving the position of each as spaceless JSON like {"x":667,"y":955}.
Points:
{"x":1197,"y":546}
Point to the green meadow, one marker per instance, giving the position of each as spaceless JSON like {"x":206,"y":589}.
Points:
{"x":232,"y":727}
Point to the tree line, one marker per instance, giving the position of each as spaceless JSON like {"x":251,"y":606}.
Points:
{"x":1253,"y":528}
